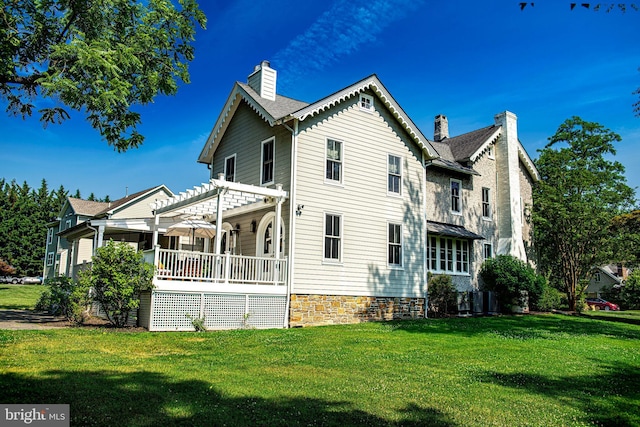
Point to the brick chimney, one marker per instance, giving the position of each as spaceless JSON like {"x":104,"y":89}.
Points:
{"x":440,"y":128}
{"x":263,"y":80}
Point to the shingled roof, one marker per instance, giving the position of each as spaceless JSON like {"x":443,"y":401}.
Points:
{"x":464,"y":146}
{"x":281,"y":107}
{"x":87,"y":207}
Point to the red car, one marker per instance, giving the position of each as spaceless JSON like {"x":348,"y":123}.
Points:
{"x":601,"y":304}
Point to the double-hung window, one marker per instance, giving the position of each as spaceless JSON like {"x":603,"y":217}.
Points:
{"x":486,"y":203}
{"x":268,"y":161}
{"x":334,"y":161}
{"x":395,"y":244}
{"x":487,"y":251}
{"x":50,"y":258}
{"x":49,"y":236}
{"x":230,"y":168}
{"x":332,"y":237}
{"x":456,"y":188}
{"x":394,"y":171}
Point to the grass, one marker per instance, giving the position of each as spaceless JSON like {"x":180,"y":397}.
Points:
{"x":503,"y":371}
{"x":19,"y":297}
{"x":628,"y":316}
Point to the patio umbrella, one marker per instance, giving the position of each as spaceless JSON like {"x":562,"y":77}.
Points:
{"x":192,"y":227}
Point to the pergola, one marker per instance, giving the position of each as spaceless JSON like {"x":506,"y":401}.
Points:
{"x":212,"y":200}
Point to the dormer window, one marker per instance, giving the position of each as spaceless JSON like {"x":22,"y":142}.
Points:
{"x":490,"y":153}
{"x":366,"y":103}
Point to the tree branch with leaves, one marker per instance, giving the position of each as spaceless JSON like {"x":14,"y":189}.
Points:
{"x":101,"y":58}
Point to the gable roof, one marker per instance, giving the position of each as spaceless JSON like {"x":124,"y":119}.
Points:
{"x":468,"y":146}
{"x":372,"y":83}
{"x":130,"y":199}
{"x":284,"y":109}
{"x":85,"y":207}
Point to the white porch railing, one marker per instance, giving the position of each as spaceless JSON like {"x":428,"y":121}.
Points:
{"x":205,"y":267}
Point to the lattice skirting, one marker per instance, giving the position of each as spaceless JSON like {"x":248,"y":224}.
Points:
{"x":175,"y":311}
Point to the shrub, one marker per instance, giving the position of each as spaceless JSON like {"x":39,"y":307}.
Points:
{"x":508,"y":277}
{"x":117,"y":276}
{"x":551,"y":299}
{"x":442,"y":296}
{"x":64,"y":297}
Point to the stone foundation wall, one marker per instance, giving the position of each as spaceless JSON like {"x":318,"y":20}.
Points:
{"x":314,"y":310}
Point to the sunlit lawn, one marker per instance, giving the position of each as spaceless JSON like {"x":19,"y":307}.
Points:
{"x":504,"y":371}
{"x":19,"y":297}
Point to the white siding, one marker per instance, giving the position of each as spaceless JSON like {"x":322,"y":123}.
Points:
{"x":141,"y":208}
{"x":363,"y":202}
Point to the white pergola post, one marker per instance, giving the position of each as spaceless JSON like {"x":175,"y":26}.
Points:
{"x":100,"y":237}
{"x":277,"y":224}
{"x":155,"y":230}
{"x":219,"y":210}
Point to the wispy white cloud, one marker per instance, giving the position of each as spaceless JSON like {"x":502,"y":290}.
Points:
{"x":343,"y":29}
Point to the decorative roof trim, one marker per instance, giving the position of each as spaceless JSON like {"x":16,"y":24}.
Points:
{"x":528,"y":163}
{"x":374,"y":84}
{"x":233,"y":101}
{"x":485,"y":145}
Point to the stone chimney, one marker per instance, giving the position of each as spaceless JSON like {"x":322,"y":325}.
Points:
{"x":509,"y":202}
{"x":263,"y":80}
{"x":440,"y":128}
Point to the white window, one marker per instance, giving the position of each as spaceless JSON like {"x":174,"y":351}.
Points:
{"x":334,"y":161}
{"x":395,"y":244}
{"x":332,"y":237}
{"x":49,"y":236}
{"x":597,"y":277}
{"x":50,"y":258}
{"x":486,"y":203}
{"x":366,"y":103}
{"x":490,"y":153}
{"x":265,"y":235}
{"x":394,"y":171}
{"x":487,"y":251}
{"x":67,"y":224}
{"x":268,"y":161}
{"x":456,"y":188}
{"x":446,"y":254}
{"x":230,"y":168}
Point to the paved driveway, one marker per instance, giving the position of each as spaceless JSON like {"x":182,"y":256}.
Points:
{"x":27,"y":319}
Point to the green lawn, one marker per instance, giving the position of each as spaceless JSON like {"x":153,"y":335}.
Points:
{"x":546,"y":370}
{"x":19,"y":297}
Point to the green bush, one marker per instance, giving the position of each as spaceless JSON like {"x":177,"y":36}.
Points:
{"x":117,"y":276}
{"x":64,"y":297}
{"x":626,"y":296}
{"x":551,"y":299}
{"x":509,"y":277}
{"x":442,"y":296}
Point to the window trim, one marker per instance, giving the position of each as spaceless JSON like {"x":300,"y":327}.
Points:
{"x":458,"y":196}
{"x":327,"y":160}
{"x":399,"y":175}
{"x":340,"y":239}
{"x":67,"y":224}
{"x":49,"y":236}
{"x":491,"y":151}
{"x":50,"y":259}
{"x":226,"y":159}
{"x":273,"y":161}
{"x":486,"y":203}
{"x":363,"y":100}
{"x":399,"y":265}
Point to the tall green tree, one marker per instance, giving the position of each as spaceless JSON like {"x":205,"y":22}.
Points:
{"x":580,"y":191}
{"x":626,"y":228}
{"x":101,"y":58}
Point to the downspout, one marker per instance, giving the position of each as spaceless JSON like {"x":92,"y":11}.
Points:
{"x":292,"y":215}
{"x":426,"y":242}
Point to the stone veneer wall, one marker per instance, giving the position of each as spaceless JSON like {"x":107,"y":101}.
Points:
{"x":314,"y":310}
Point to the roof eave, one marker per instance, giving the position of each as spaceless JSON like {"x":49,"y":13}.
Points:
{"x":485,"y":145}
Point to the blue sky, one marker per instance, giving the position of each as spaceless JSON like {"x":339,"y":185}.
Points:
{"x":467,"y":60}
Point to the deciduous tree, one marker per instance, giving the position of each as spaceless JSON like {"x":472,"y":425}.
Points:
{"x":101,"y":58}
{"x":580,"y":191}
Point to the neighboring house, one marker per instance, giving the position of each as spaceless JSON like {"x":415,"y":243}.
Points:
{"x":335,"y":211}
{"x":611,"y":275}
{"x":84,"y":225}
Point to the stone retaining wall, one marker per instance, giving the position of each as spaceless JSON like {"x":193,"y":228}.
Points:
{"x":313,"y":310}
